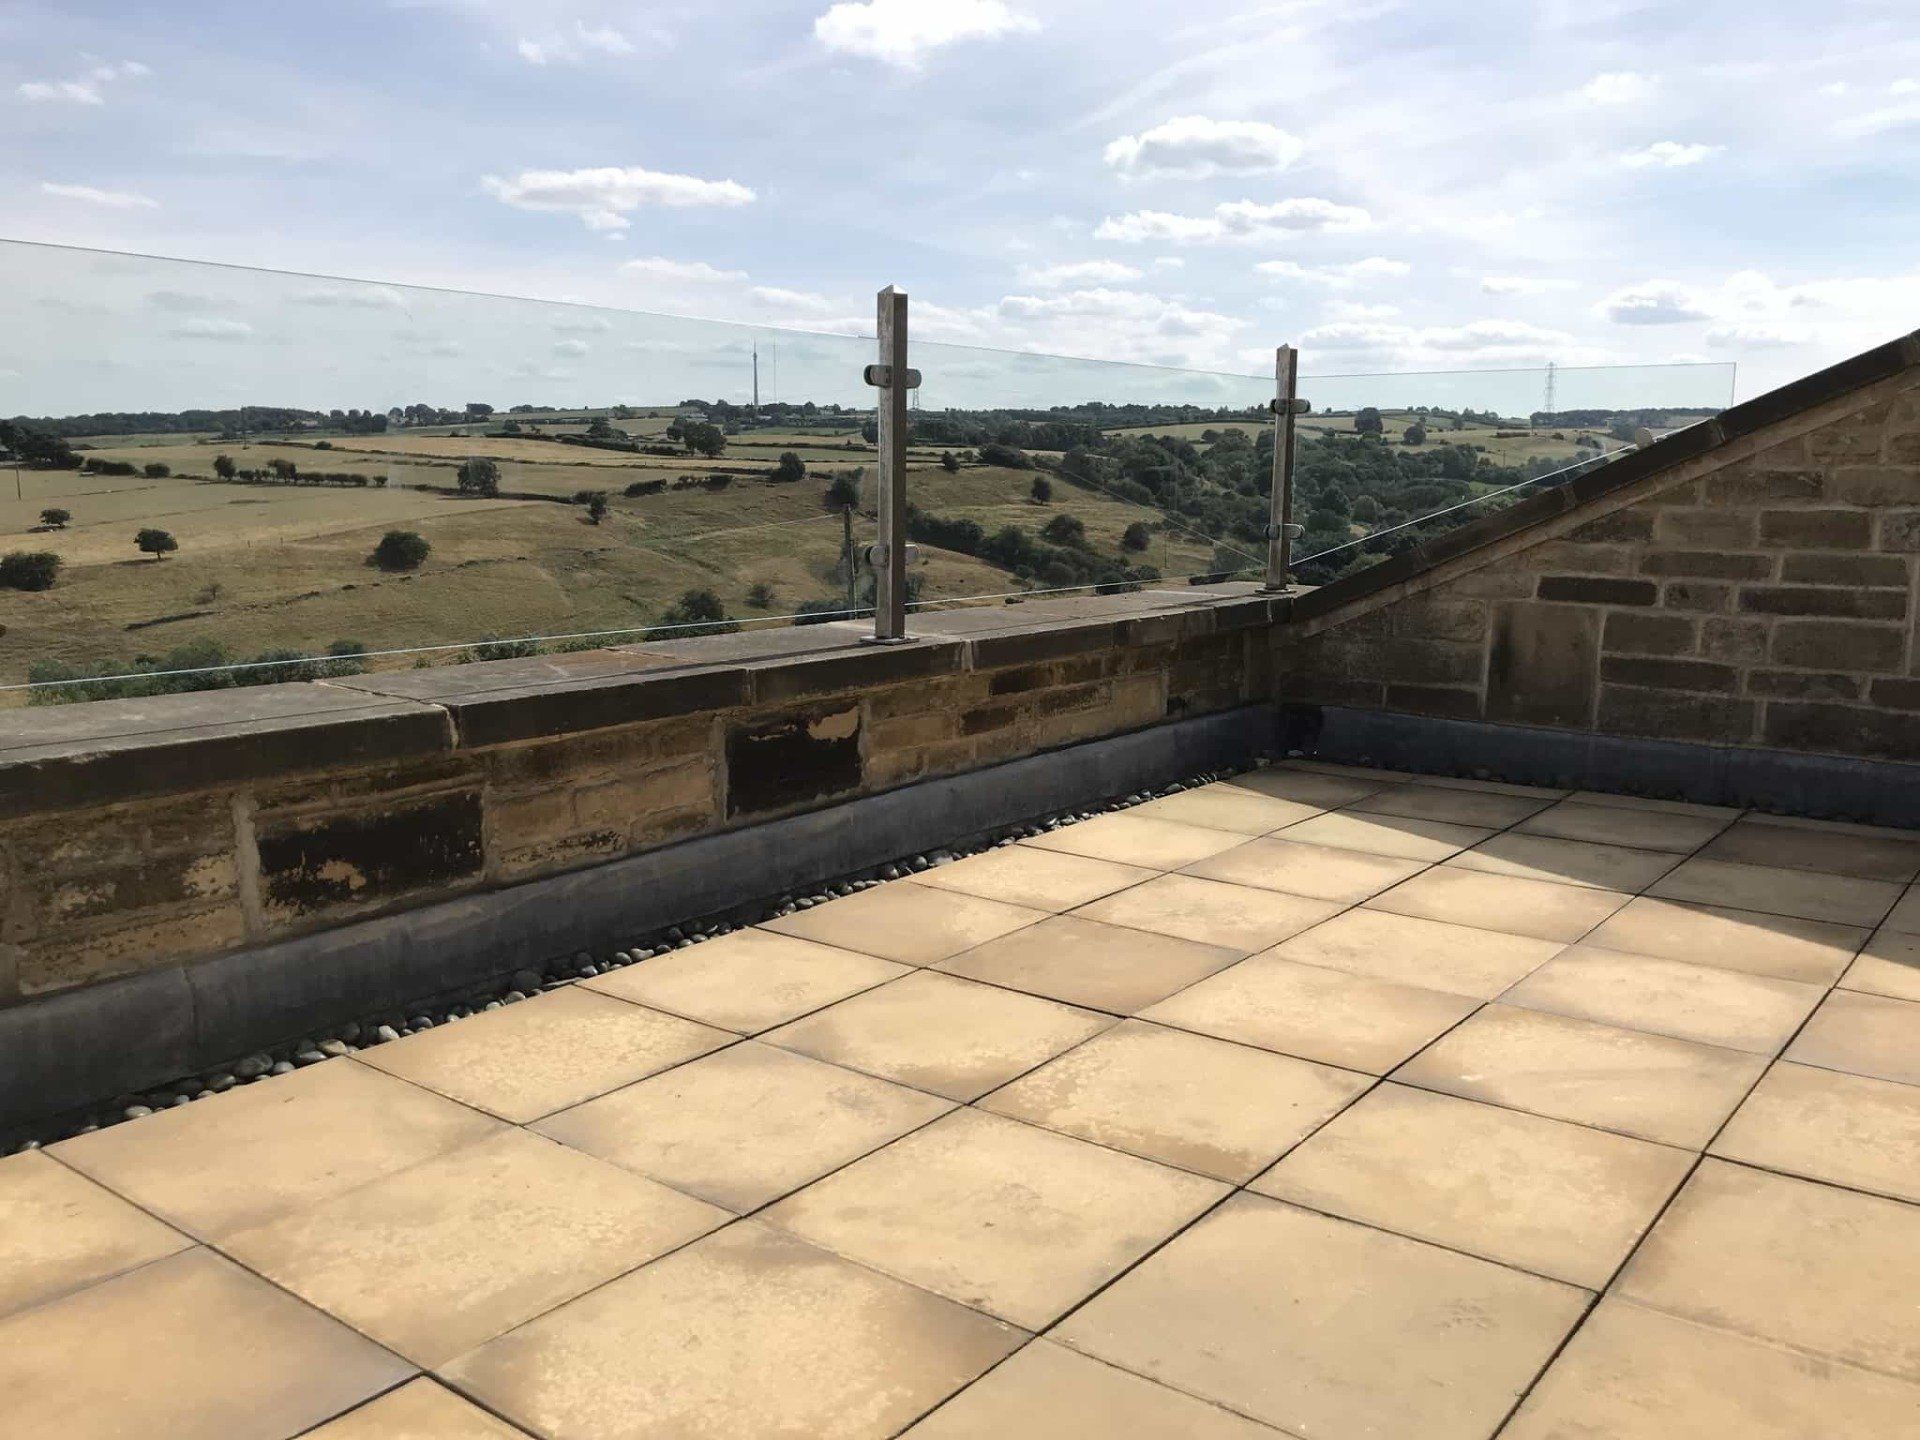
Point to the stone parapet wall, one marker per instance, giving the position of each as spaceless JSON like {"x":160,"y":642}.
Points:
{"x":141,"y":834}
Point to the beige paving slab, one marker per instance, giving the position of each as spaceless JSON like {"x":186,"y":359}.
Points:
{"x":1807,"y":894}
{"x":1396,"y":835}
{"x":443,"y":1257}
{"x":1451,"y":806}
{"x":1325,"y":1328}
{"x":1310,"y":788}
{"x":1352,"y":1021}
{"x":913,"y":924}
{"x":1559,"y":1200}
{"x":527,"y":1060}
{"x":1050,"y":880}
{"x":1654,"y":805}
{"x":1238,"y":917}
{"x":1636,"y":1374}
{"x":1542,"y":793}
{"x":1082,"y":962}
{"x":1825,"y":1125}
{"x":238,"y":1160}
{"x":419,"y":1410}
{"x":749,"y":980}
{"x":1371,"y":775}
{"x":1566,"y":862}
{"x":1654,"y":1087}
{"x":1320,"y":872}
{"x":1047,"y":1392}
{"x":1863,"y":1035}
{"x":1228,"y":807}
{"x":1202,"y":1104}
{"x":1825,"y":1270}
{"x":1615,"y":824}
{"x":1428,"y":953}
{"x":745,"y":1125}
{"x":1501,"y":902}
{"x":1905,"y":916}
{"x":747,"y":1332}
{"x":190,"y":1347}
{"x":938,"y":1033}
{"x":1748,"y":940}
{"x":1835,"y":849}
{"x":1889,"y":965}
{"x":59,"y":1231}
{"x":1669,"y":997}
{"x":1131,"y":839}
{"x":1004,"y":1217}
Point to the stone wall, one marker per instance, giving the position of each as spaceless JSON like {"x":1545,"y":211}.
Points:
{"x":147,"y":833}
{"x":1761,"y":592}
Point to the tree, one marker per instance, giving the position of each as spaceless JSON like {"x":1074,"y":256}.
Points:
{"x":1366,"y":509}
{"x":696,"y":612}
{"x":56,"y":517}
{"x":1042,"y":490}
{"x":843,"y":492}
{"x":156,"y":470}
{"x":157,"y":543}
{"x":790,"y":469}
{"x":1065,"y":530}
{"x":949,"y":462}
{"x":28,"y":569}
{"x":283,"y":469}
{"x":224,"y":467}
{"x":1415,"y":434}
{"x":599,"y":429}
{"x":1367,"y":421}
{"x":1136,"y":536}
{"x":596,"y":506}
{"x":479,"y":476}
{"x":401,"y":550}
{"x":760,"y":597}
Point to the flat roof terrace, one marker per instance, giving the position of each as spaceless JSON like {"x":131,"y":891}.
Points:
{"x":1317,"y":1102}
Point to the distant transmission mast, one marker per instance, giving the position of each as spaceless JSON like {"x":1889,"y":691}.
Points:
{"x":1548,"y":407}
{"x":756,"y":377}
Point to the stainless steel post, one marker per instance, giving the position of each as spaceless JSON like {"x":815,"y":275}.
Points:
{"x":889,"y":555}
{"x":1280,"y":526}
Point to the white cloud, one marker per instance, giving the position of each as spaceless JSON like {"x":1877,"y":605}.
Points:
{"x":1235,"y":220}
{"x":570,"y":349}
{"x":1757,"y":336}
{"x":207,"y":328}
{"x":1479,"y":341}
{"x":902,"y":32}
{"x":1352,"y":272}
{"x":685,"y":272}
{"x":1904,"y":87}
{"x":1617,"y":87}
{"x":576,"y":48}
{"x":1196,"y":146}
{"x":352,"y":297}
{"x":1168,"y":262}
{"x":603,"y":197}
{"x":582,"y":324}
{"x":1079,"y":272}
{"x":83,"y":89}
{"x":112,"y":199}
{"x":1653,"y":302}
{"x":803,"y":300}
{"x":1521,"y":285}
{"x":1870,"y":123}
{"x":1669,"y":155}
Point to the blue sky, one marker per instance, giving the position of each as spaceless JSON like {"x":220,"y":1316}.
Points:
{"x":1436,"y":184}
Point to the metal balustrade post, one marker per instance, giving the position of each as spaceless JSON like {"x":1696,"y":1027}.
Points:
{"x":1280,"y":527}
{"x":890,"y":553}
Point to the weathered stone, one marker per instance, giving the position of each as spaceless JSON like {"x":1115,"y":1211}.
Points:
{"x":313,"y":865}
{"x":1897,"y":694}
{"x":1759,"y":487}
{"x":1817,"y":529}
{"x":1900,"y":532}
{"x":1542,"y":662}
{"x":1842,"y":569}
{"x":1641,"y":633}
{"x":1667,"y":674}
{"x":1621,"y":525}
{"x":1630,"y":710}
{"x":776,"y":762}
{"x":1812,"y":600}
{"x":1875,"y":485}
{"x":1837,"y":644}
{"x":1739,"y":642}
{"x":1804,"y":685}
{"x":1710,"y":529}
{"x":1707,"y":564}
{"x":1590,"y":590}
{"x":1701,"y":596}
{"x":1847,"y":729}
{"x":1450,"y":701}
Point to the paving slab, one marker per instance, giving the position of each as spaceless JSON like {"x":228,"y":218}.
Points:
{"x":1399,"y":836}
{"x":1083,"y":962}
{"x":1329,"y":1016}
{"x":1813,"y":951}
{"x":1635,"y":1374}
{"x":1050,"y":880}
{"x":1863,"y":1035}
{"x":1827,"y":1271}
{"x":1224,"y":806}
{"x":240,"y":1159}
{"x":1669,"y":997}
{"x":1047,"y":1391}
{"x":911,"y":924}
{"x":530,"y":1059}
{"x":190,"y":1347}
{"x":1325,"y":1328}
{"x":745,"y":1125}
{"x":419,"y":1410}
{"x":746,"y":1332}
{"x":1673,"y":1092}
{"x":1453,"y":806}
{"x":747,"y":981}
{"x":1905,"y":915}
{"x":1303,"y":787}
{"x":1863,"y":851}
{"x":1129,"y":839}
{"x":1889,"y":965}
{"x":937,"y":1033}
{"x":1824,"y":1125}
{"x":1320,"y":872}
{"x":1004,"y":1217}
{"x":1613,"y":824}
{"x":443,"y":1257}
{"x":1238,"y":917}
{"x":1773,"y":889}
{"x":1560,"y":1200}
{"x":59,"y":1232}
{"x":1538,"y":908}
{"x":1187,"y":1100}
{"x":1428,"y":953}
{"x":1566,"y":862}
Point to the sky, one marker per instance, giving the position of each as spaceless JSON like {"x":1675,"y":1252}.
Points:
{"x":1434,"y":185}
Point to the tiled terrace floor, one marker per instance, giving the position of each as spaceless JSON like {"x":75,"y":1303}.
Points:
{"x":1318,"y":1102}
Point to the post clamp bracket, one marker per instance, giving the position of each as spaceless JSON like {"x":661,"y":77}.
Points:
{"x":1299,"y":406}
{"x":881,"y":377}
{"x":877,"y":554}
